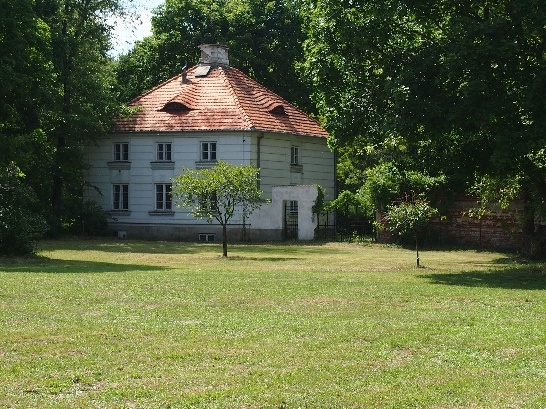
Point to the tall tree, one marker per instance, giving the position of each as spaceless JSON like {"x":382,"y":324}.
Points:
{"x":25,"y":74}
{"x":81,"y":101}
{"x":452,"y":87}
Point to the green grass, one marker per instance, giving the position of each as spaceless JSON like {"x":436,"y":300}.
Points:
{"x":128,"y":324}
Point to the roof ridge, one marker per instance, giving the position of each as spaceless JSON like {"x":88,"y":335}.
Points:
{"x":236,"y":96}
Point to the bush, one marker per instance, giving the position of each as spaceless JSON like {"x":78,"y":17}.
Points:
{"x":93,"y":219}
{"x":20,"y":225}
{"x":86,"y":218}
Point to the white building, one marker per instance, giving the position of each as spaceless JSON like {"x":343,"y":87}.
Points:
{"x":211,"y":112}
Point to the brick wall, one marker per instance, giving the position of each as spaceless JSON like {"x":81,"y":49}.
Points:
{"x":498,"y":229}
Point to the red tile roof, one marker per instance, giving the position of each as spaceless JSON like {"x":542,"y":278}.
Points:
{"x":223,"y":99}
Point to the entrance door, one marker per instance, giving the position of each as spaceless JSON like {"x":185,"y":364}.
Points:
{"x":290,"y":231}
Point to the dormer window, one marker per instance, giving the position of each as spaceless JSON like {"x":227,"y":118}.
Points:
{"x":202,"y":71}
{"x":175,"y":107}
{"x":278,"y":110}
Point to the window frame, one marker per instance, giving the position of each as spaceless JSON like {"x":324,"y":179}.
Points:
{"x":293,"y":206}
{"x":162,"y":153}
{"x":164,"y":196}
{"x":121,"y":151}
{"x":295,"y":157}
{"x":207,"y":237}
{"x":120,"y":197}
{"x":208,"y":154}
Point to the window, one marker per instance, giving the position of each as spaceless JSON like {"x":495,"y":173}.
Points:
{"x":121,"y":151}
{"x":208,"y":204}
{"x":121,"y":197}
{"x":293,"y":206}
{"x":207,"y":236}
{"x":208,"y":151}
{"x":163,"y":196}
{"x":294,"y":155}
{"x":175,"y":107}
{"x":164,"y":152}
{"x":278,"y":110}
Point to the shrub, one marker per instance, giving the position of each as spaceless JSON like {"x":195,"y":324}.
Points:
{"x":20,"y":225}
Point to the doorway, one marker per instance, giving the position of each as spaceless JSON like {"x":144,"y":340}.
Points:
{"x":290,"y":230}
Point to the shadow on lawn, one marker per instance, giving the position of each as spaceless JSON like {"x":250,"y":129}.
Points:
{"x":274,"y":259}
{"x":114,"y":245}
{"x":526,"y":277}
{"x":56,"y":266}
{"x":111,"y":245}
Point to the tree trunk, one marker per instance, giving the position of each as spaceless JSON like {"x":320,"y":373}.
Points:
{"x":62,"y":130}
{"x":417,"y":250}
{"x":534,"y":236}
{"x":224,"y":240}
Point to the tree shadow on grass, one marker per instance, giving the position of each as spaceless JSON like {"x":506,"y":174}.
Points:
{"x":249,"y":258}
{"x":115,"y":245}
{"x":526,"y":277}
{"x":111,"y":245}
{"x":43,"y":265}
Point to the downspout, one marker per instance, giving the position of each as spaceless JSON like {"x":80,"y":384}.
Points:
{"x":259,"y":156}
{"x":336,"y":193}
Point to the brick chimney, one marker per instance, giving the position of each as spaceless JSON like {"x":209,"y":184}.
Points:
{"x":214,"y":54}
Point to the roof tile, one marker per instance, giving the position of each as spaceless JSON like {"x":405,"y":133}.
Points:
{"x":224,"y":99}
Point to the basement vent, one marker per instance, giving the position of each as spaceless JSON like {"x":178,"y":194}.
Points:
{"x":278,"y":110}
{"x":174,"y":106}
{"x":207,"y":236}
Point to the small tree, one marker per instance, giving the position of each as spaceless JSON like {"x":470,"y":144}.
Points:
{"x":410,"y":216}
{"x":217,"y":193}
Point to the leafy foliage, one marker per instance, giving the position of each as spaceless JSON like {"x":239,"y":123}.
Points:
{"x":20,"y":225}
{"x":319,"y":205}
{"x":56,"y":83}
{"x":345,"y":198}
{"x":494,"y":191}
{"x":409,"y":217}
{"x":382,"y":184}
{"x":219,"y":193}
{"x":265,"y":37}
{"x":385,"y":183}
{"x":454,"y":88}
{"x":82,"y":100}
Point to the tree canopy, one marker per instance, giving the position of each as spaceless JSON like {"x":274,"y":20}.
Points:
{"x":219,"y":193}
{"x":56,"y":92}
{"x":408,"y":90}
{"x":449,"y":87}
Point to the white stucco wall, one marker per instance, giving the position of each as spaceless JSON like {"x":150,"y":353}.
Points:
{"x":271,"y":215}
{"x":272,"y":151}
{"x":316,"y":163}
{"x":142,"y":172}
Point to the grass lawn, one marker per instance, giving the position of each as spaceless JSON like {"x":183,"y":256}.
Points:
{"x":130,"y":324}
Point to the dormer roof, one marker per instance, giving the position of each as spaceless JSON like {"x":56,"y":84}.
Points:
{"x":216,"y":97}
